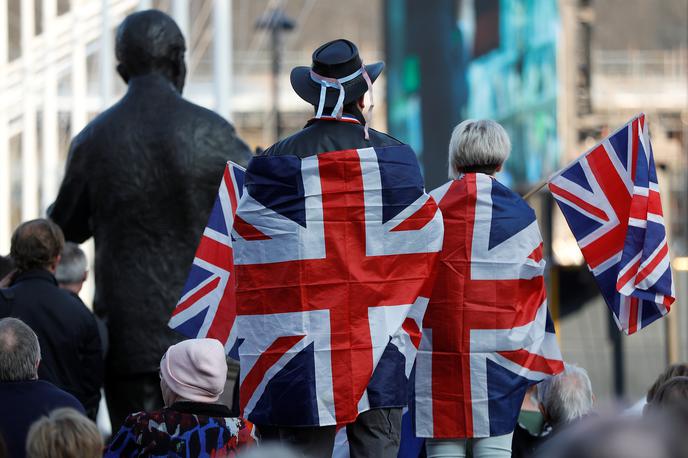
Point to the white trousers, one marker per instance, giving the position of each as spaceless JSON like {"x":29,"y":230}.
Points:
{"x":483,"y":447}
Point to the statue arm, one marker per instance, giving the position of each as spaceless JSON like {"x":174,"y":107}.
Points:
{"x":71,"y":210}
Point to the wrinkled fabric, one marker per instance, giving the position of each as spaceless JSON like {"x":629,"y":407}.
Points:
{"x":487,"y":333}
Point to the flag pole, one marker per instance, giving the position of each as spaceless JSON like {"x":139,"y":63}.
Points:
{"x":541,"y":184}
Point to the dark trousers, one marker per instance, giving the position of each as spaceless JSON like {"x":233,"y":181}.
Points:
{"x":375,"y":434}
{"x":130,"y":394}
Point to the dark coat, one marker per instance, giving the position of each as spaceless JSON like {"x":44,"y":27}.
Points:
{"x":141,"y":179}
{"x":323,"y":135}
{"x":25,"y":402}
{"x":71,"y":354}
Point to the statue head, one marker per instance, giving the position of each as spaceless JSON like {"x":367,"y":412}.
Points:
{"x":150,"y":42}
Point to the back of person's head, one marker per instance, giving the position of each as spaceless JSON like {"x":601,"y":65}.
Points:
{"x":73,"y":265}
{"x":566,"y":396}
{"x":670,"y":372}
{"x":151,"y":42}
{"x":36,"y":244}
{"x":20,"y":352}
{"x":674,"y":392}
{"x":478,"y":145}
{"x":193,"y":370}
{"x":64,"y":433}
{"x":617,"y":436}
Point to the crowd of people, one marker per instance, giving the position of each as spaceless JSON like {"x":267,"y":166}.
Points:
{"x":164,"y":393}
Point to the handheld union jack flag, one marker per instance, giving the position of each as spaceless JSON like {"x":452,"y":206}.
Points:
{"x":335,"y":256}
{"x":487,"y":333}
{"x":207,"y":307}
{"x":610,"y":199}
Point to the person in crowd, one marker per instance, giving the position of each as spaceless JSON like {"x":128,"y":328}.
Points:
{"x":490,"y":285}
{"x":64,"y":433}
{"x":619,"y":436}
{"x":338,"y":124}
{"x":71,"y":350}
{"x":530,"y":427}
{"x":566,"y":397}
{"x":192,"y":377}
{"x":674,"y":370}
{"x":72,"y":270}
{"x":71,"y":273}
{"x":141,"y":179}
{"x":24,"y":398}
{"x":672,"y":394}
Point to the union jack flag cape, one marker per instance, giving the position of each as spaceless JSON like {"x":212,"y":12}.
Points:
{"x":334,"y":260}
{"x":487,"y":333}
{"x":610,"y":199}
{"x":207,"y":307}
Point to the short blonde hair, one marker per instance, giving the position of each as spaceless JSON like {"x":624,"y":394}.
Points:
{"x":477,"y":144}
{"x":64,"y":433}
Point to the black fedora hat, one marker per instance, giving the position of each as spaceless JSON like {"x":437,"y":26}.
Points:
{"x":336,"y":59}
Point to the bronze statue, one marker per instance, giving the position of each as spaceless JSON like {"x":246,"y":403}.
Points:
{"x":141,"y":179}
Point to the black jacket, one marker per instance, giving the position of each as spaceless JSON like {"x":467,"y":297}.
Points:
{"x":141,"y":179}
{"x":71,"y":355}
{"x":23,"y":403}
{"x":323,"y":135}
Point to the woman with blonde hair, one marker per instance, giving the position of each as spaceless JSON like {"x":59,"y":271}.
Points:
{"x":487,"y":334}
{"x":64,"y":433}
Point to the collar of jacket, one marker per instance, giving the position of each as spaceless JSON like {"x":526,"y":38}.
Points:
{"x":347,"y":117}
{"x":201,"y":408}
{"x":36,"y":274}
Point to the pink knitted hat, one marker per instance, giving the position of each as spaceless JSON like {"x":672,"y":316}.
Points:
{"x":195,"y":369}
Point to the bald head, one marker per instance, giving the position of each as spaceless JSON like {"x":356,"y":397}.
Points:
{"x":151,"y":42}
{"x":20,"y":352}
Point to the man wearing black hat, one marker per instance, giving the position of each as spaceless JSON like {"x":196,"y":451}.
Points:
{"x":335,"y":85}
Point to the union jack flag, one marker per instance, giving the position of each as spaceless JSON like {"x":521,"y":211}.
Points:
{"x":610,"y":199}
{"x":207,"y":307}
{"x":335,"y":256}
{"x":487,"y":333}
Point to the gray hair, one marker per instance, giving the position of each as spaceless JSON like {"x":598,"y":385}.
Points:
{"x":73,"y":265}
{"x":19,"y":351}
{"x":481,"y":143}
{"x":566,"y":396}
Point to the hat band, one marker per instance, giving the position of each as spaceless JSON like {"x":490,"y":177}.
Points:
{"x":337,"y":83}
{"x":334,"y":83}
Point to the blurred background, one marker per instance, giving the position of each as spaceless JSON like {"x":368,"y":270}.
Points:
{"x":558,"y":74}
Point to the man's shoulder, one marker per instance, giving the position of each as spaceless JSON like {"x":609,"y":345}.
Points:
{"x":47,"y":294}
{"x":384,"y":139}
{"x":40,"y":393}
{"x":325,"y":136}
